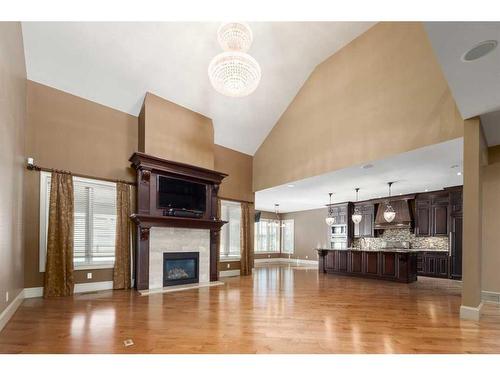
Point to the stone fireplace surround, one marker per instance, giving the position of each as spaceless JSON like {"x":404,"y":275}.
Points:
{"x":174,"y":240}
{"x":157,"y":233}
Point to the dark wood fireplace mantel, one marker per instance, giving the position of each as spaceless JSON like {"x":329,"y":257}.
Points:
{"x":148,"y":221}
{"x":149,"y":214}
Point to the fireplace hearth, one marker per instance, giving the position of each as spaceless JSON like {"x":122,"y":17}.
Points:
{"x":180,"y":268}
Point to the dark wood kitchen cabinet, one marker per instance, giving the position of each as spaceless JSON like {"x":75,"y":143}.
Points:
{"x":432,"y":214}
{"x":366,"y":227}
{"x":423,"y":220}
{"x":456,"y":231}
{"x":433,"y":264}
{"x":398,"y":266}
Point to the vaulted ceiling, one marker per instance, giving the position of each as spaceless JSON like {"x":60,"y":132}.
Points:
{"x":115,"y":64}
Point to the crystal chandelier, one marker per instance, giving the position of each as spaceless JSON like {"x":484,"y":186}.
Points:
{"x":356,"y":216}
{"x":330,"y":219}
{"x":234,"y":72}
{"x":389,"y":213}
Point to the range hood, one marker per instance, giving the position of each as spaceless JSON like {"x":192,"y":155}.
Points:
{"x":402,"y":220}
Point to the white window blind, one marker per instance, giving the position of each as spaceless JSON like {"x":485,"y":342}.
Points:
{"x":267,"y":236}
{"x":230,"y":233}
{"x":94,"y":222}
{"x":287,"y":236}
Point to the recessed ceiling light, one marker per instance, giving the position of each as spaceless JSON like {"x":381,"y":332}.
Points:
{"x":290,"y":185}
{"x":426,"y":189}
{"x":479,"y":50}
{"x":459,"y":173}
{"x":367,"y":166}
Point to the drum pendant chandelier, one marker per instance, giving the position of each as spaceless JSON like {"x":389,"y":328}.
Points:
{"x":234,"y":72}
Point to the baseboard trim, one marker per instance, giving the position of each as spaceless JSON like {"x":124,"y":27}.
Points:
{"x":33,"y":292}
{"x":488,"y":296}
{"x":290,"y":261}
{"x":79,"y":288}
{"x":229,"y":273}
{"x":471,"y":313}
{"x":11,"y":309}
{"x":93,"y":287}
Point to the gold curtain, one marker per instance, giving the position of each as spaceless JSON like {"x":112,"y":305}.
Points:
{"x":121,"y":271}
{"x":245,"y":240}
{"x":59,"y":263}
{"x":218,"y":215}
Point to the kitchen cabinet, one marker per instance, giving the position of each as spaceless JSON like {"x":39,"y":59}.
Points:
{"x":433,"y":264}
{"x":387,"y":265}
{"x":423,"y":217}
{"x":456,"y":231}
{"x":432,"y":214}
{"x":366,"y":227}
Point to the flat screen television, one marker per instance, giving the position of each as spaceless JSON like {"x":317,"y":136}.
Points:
{"x":181,"y":195}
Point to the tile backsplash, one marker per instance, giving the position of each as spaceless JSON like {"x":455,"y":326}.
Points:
{"x":440,"y":243}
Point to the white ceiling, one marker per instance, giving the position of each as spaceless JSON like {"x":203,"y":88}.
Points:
{"x":475,"y":85}
{"x":115,"y":64}
{"x":414,"y":171}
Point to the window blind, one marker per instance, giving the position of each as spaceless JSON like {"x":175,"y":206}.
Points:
{"x":94,"y":221}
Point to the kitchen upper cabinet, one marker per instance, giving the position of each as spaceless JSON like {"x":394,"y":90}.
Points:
{"x":365,"y":227}
{"x":432,"y":215}
{"x":440,"y":220}
{"x":423,"y":217}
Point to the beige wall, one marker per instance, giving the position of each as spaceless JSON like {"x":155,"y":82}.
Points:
{"x":475,"y":157}
{"x":382,"y":94}
{"x":490,"y":268}
{"x":172,"y":132}
{"x":310,"y":232}
{"x":67,"y":132}
{"x":238,"y":185}
{"x":12,"y":128}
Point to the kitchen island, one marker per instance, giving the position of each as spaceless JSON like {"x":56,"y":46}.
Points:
{"x":392,"y":264}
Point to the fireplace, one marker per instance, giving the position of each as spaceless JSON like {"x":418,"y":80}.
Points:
{"x":180,"y":268}
{"x":159,"y":206}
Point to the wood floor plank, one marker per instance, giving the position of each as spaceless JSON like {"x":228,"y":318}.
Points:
{"x":280,"y":309}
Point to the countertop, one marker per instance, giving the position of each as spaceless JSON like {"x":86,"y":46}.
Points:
{"x":390,"y":250}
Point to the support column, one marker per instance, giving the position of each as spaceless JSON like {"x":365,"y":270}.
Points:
{"x":475,"y":157}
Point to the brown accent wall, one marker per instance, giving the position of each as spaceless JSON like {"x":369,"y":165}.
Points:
{"x":490,"y":264}
{"x":382,"y":94}
{"x":12,"y":129}
{"x":238,"y":185}
{"x":475,"y":158}
{"x":172,"y":132}
{"x":66,"y":132}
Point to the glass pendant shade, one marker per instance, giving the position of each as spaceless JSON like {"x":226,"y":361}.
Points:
{"x":233,"y":72}
{"x":330,"y":221}
{"x":356,"y":215}
{"x":389,"y":213}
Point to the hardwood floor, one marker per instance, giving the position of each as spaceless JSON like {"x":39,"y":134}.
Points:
{"x":279,"y":309}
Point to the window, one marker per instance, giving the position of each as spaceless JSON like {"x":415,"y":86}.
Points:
{"x":287,"y":239}
{"x":267,"y":236}
{"x":95,"y":222}
{"x":230,"y":233}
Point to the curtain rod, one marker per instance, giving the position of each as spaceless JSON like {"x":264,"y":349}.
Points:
{"x":235,"y":200}
{"x":33,"y":167}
